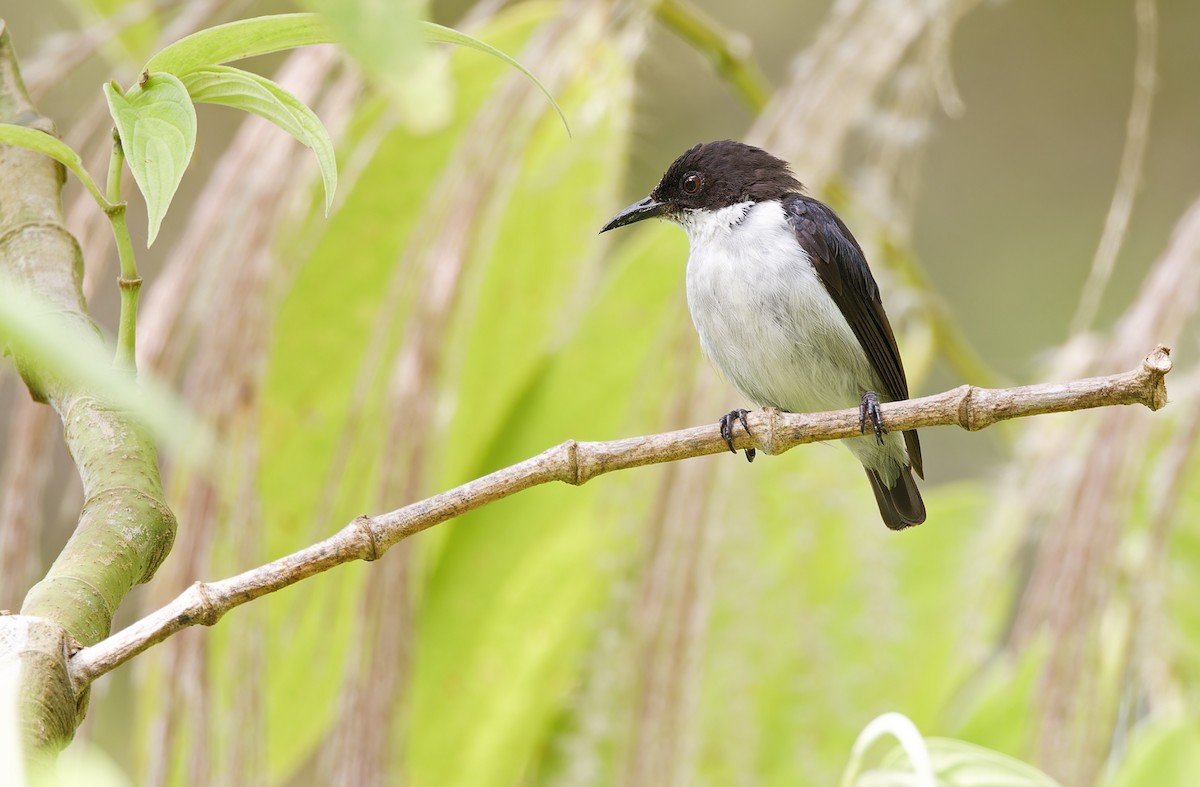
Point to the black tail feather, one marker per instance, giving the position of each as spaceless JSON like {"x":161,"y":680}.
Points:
{"x":900,"y":505}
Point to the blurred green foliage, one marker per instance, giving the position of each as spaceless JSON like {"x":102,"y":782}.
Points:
{"x":720,"y":623}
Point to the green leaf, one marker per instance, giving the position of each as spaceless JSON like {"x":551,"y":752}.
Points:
{"x":265,"y":34}
{"x":447,"y":35}
{"x":244,"y":38}
{"x":55,"y":148}
{"x":157,"y":126}
{"x":239,"y":89}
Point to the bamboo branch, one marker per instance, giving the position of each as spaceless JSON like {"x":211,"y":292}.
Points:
{"x":771,"y":431}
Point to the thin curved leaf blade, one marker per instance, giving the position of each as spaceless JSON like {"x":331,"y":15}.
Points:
{"x":49,"y":145}
{"x":447,"y":35}
{"x":233,"y":87}
{"x":244,"y":38}
{"x":157,"y":126}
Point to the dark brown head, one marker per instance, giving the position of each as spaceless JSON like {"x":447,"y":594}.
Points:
{"x":711,"y":176}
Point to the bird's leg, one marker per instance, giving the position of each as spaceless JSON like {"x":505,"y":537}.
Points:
{"x":726,"y":423}
{"x":869,"y":408}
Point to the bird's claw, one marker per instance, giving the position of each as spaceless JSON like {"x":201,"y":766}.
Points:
{"x":869,"y":408}
{"x":726,"y":423}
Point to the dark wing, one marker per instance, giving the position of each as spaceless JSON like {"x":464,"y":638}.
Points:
{"x":842,"y":268}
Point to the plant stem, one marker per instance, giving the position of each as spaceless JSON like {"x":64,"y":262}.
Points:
{"x":129,"y":281}
{"x":730,"y":55}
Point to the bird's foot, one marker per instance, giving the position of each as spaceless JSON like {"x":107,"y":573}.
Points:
{"x":869,"y":408}
{"x":727,"y":421}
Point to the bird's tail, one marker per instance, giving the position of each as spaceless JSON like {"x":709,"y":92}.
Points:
{"x":900,"y":504}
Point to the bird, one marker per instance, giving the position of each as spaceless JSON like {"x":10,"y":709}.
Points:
{"x":785,"y":305}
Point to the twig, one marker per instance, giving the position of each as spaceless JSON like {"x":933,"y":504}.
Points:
{"x":771,"y":431}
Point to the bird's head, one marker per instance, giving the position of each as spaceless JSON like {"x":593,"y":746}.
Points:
{"x":709,"y":177}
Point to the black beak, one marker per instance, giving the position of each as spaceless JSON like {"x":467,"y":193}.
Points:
{"x":644,"y":209}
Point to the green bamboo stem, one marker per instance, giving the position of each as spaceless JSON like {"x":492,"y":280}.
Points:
{"x":129,"y":281}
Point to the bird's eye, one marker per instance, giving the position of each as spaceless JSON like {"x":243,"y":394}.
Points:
{"x":691,"y":183}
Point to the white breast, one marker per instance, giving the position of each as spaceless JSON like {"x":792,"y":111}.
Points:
{"x":766,"y":320}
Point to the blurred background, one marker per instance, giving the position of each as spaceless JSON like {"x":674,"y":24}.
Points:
{"x":1025,"y":180}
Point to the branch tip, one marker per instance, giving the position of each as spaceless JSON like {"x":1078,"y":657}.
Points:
{"x":1158,"y":364}
{"x":1159,"y":360}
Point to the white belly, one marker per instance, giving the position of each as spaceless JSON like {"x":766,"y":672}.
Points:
{"x":768,"y":323}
